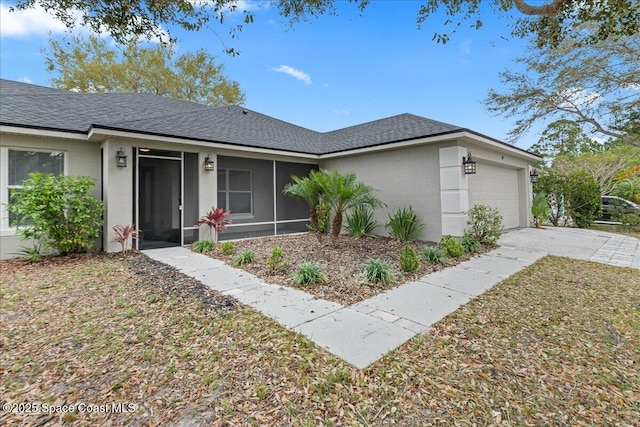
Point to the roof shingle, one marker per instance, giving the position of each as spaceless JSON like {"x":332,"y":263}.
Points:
{"x":54,"y":109}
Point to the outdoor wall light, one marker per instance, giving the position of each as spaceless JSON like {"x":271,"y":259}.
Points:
{"x":208,"y":163}
{"x":534,"y":175}
{"x":469,"y":164}
{"x":121,"y":158}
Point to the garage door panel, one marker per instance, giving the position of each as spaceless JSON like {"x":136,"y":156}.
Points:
{"x":497,"y":187}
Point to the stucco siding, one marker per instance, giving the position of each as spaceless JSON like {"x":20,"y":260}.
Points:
{"x":403,"y":177}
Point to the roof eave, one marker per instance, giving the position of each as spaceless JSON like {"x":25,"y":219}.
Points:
{"x":100,"y":131}
{"x":20,"y":129}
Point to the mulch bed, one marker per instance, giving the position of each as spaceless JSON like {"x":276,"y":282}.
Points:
{"x":342,"y":261}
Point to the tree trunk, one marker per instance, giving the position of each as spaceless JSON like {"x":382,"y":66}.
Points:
{"x":336,"y":225}
{"x":313,"y":217}
{"x":550,"y":9}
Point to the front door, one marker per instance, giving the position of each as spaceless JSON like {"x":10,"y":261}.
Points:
{"x":159,"y":201}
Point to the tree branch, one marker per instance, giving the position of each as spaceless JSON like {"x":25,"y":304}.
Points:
{"x":550,"y":9}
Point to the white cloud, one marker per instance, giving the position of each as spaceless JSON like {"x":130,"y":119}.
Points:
{"x":579,"y":97}
{"x":23,"y":24}
{"x":296,"y":74}
{"x":35,"y":22}
{"x":465,"y":46}
{"x":25,"y":79}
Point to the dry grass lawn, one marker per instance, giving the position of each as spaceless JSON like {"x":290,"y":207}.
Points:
{"x":556,"y":344}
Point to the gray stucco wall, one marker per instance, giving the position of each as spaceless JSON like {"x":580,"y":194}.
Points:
{"x":403,"y":177}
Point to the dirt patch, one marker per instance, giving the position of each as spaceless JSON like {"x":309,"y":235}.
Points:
{"x":342,"y":261}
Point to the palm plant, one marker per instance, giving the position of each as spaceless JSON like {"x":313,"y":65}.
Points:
{"x":344,"y":192}
{"x":310,"y":189}
{"x":216,"y":219}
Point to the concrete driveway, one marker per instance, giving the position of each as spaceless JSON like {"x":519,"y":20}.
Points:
{"x":588,"y":245}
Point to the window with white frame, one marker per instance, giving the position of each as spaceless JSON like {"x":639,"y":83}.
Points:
{"x":235,"y":191}
{"x":20,"y":163}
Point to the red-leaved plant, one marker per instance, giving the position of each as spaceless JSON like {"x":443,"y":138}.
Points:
{"x":124,"y":233}
{"x":217,"y":219}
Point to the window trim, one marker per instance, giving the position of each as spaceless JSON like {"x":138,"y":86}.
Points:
{"x":5,"y":229}
{"x":227,"y":191}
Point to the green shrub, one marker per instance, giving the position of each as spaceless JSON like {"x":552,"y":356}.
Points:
{"x":630,"y":221}
{"x":244,"y":257}
{"x":404,"y":225}
{"x":277,"y":260}
{"x":409,"y":259}
{"x":470,"y":244}
{"x":628,"y":189}
{"x":228,"y":248}
{"x":584,"y":204}
{"x":451,"y":247}
{"x":540,"y":209}
{"x":203,"y":246}
{"x":434,"y":255}
{"x":552,"y":185}
{"x":360,"y":222}
{"x":309,"y":273}
{"x":58,"y":211}
{"x":32,"y":254}
{"x":484,"y":224}
{"x":377,"y":271}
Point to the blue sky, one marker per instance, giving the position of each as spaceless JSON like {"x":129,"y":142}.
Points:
{"x":334,"y":71}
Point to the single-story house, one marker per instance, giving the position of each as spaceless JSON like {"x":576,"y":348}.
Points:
{"x":182,"y":158}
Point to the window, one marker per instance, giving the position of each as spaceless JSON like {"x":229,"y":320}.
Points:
{"x":235,"y":191}
{"x":20,"y":163}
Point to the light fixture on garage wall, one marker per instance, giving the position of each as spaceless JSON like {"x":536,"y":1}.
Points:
{"x":121,"y":158}
{"x":469,"y":164}
{"x":534,"y":175}
{"x":208,"y":163}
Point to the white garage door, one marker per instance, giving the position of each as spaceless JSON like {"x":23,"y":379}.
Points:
{"x":496,"y":187}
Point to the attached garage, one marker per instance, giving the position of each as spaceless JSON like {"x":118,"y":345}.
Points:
{"x":498,"y":187}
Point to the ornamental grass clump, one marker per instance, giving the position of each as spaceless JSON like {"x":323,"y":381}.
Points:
{"x":470,"y":244}
{"x":203,"y":246}
{"x":309,"y":273}
{"x":360,"y":222}
{"x":244,"y":257}
{"x":277,"y":260}
{"x":404,"y":224}
{"x":434,"y":255}
{"x":377,"y":271}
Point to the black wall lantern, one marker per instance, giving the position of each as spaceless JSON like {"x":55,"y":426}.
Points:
{"x":534,"y":175}
{"x":208,"y":163}
{"x":121,"y":158}
{"x":469,"y":164}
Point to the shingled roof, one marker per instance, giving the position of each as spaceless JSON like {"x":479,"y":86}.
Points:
{"x":31,"y":106}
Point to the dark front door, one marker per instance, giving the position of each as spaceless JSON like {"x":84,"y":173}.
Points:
{"x":159,"y":202}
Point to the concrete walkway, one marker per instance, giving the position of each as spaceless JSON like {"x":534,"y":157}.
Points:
{"x":363,"y":333}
